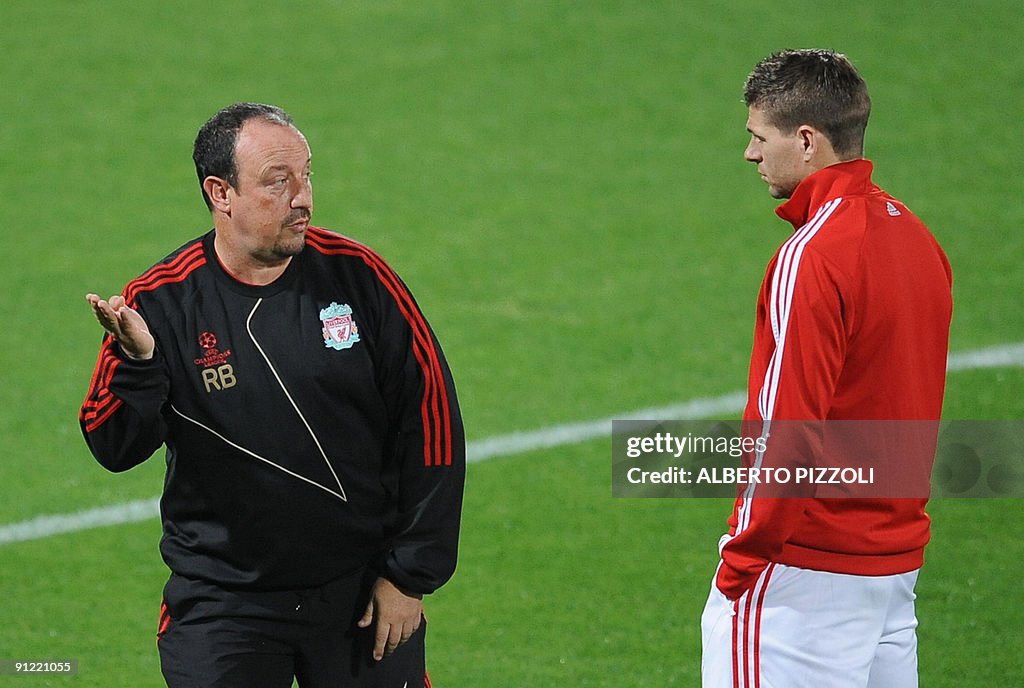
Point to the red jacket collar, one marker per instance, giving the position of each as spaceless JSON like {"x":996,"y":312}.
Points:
{"x":853,"y":177}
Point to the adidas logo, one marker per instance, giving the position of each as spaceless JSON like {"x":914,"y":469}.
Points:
{"x":891,"y":209}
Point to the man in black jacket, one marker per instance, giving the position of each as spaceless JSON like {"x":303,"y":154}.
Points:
{"x":315,"y":451}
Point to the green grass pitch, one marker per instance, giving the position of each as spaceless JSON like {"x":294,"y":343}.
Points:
{"x":562,"y":185}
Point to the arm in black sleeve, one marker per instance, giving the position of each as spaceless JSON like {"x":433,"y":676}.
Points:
{"x":430,"y":447}
{"x":121,"y":417}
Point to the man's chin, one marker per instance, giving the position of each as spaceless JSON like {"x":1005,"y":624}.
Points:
{"x":292,"y":247}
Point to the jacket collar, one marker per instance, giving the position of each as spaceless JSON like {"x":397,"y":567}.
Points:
{"x":852,"y":177}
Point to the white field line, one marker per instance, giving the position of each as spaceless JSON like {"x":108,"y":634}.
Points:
{"x":481,"y":450}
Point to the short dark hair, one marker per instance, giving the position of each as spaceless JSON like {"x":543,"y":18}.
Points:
{"x":821,"y":88}
{"x":214,"y":149}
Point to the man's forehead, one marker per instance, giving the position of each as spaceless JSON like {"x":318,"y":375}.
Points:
{"x":264,"y":142}
{"x":755,"y":118}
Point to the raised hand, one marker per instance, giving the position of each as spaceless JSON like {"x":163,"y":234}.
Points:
{"x":125,"y":325}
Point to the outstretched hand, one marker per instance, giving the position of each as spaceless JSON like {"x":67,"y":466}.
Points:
{"x":397,"y":614}
{"x":125,"y":325}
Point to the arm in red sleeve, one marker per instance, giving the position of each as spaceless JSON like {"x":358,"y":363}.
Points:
{"x":811,"y":319}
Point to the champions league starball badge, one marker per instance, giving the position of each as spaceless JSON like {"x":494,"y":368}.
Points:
{"x":339,"y":328}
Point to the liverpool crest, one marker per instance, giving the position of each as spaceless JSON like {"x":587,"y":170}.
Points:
{"x":340,"y":331}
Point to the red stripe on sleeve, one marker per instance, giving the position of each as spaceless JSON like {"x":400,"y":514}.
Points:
{"x":173,"y":271}
{"x":100,"y":403}
{"x":434,"y":409}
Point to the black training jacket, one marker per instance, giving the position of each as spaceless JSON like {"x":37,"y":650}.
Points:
{"x":311,"y":425}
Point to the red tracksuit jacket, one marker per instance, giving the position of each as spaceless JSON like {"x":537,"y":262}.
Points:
{"x":852,"y":325}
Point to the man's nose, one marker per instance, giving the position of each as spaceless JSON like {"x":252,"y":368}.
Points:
{"x":303,"y":196}
{"x":752,"y":152}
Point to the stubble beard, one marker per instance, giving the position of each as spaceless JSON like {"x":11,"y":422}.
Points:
{"x":289,"y":246}
{"x":289,"y":243}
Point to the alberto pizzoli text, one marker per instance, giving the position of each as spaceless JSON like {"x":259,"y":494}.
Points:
{"x":677,"y":445}
{"x":745,"y":476}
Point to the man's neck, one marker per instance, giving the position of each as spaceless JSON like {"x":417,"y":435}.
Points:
{"x":246,"y":268}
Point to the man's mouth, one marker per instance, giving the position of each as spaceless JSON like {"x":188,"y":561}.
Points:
{"x":299,"y":224}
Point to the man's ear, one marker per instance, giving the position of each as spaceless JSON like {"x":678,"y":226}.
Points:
{"x":815,"y":146}
{"x":217,"y":191}
{"x":809,"y":140}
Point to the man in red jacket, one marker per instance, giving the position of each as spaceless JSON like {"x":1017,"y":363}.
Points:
{"x":852,"y":327}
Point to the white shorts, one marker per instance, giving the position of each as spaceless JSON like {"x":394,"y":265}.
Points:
{"x":799,"y":628}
